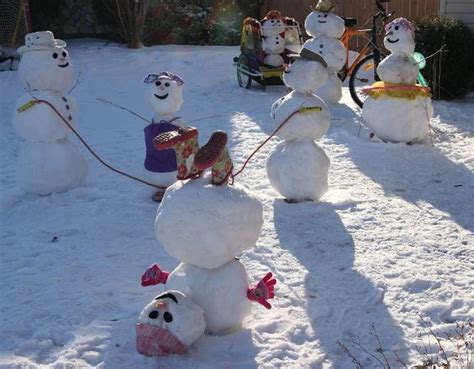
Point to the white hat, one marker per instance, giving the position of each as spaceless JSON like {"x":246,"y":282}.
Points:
{"x":43,"y":40}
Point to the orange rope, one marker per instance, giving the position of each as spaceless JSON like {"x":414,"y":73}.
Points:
{"x":92,"y":151}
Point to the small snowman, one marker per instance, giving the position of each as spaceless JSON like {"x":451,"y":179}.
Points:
{"x":326,"y":28}
{"x":164,"y":95}
{"x":48,"y":162}
{"x":397,"y":109}
{"x":216,"y":223}
{"x":169,"y":324}
{"x":298,"y":168}
{"x":272,"y":31}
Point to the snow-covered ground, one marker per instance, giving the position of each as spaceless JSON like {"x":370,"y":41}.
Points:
{"x":392,"y":239}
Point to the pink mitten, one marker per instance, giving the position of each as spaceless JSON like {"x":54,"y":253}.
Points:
{"x":154,"y":275}
{"x":263,"y":291}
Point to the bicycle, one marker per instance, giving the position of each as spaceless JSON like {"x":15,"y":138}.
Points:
{"x":363,"y":70}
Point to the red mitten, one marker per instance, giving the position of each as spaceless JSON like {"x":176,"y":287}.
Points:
{"x":263,"y":291}
{"x":154,"y":275}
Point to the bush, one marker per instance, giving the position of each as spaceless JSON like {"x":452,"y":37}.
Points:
{"x":450,"y":74}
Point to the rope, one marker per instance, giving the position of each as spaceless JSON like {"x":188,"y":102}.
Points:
{"x":39,"y":101}
{"x":301,"y":110}
{"x":101,"y":99}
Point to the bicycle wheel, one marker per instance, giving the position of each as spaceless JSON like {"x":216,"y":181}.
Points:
{"x":244,"y":79}
{"x":363,"y":75}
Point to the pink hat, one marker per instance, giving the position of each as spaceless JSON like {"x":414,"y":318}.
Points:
{"x":156,"y":341}
{"x":404,"y":23}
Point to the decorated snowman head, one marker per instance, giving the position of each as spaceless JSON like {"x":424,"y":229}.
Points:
{"x":306,"y":73}
{"x":321,"y":21}
{"x":400,"y":36}
{"x":164,"y":92}
{"x":45,"y":63}
{"x":169,"y":325}
{"x":274,"y":44}
{"x":272,"y":24}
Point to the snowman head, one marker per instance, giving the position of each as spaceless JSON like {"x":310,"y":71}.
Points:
{"x":45,"y":63}
{"x":324,"y":23}
{"x":400,"y":36}
{"x":306,"y":73}
{"x":164,"y":92}
{"x":274,"y":44}
{"x":272,"y":24}
{"x":169,"y":324}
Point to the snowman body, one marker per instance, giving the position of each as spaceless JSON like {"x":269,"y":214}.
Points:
{"x":326,"y":29}
{"x":298,"y":168}
{"x":274,"y":46}
{"x":206,"y":227}
{"x":48,"y":162}
{"x":396,"y":118}
{"x":165,"y":97}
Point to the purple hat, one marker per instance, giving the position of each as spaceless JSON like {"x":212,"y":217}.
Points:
{"x":152,"y":77}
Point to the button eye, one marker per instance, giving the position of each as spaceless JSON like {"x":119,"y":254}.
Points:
{"x":55,"y":55}
{"x":157,"y":83}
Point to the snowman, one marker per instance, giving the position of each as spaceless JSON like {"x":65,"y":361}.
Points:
{"x":169,"y":324}
{"x":48,"y":162}
{"x":216,"y":223}
{"x":164,"y":95}
{"x":272,"y":30}
{"x":298,"y":167}
{"x":397,"y":109}
{"x":326,"y":28}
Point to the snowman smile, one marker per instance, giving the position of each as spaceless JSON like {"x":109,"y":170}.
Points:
{"x":322,"y":21}
{"x":393,"y":41}
{"x":63,"y":65}
{"x":161,"y":97}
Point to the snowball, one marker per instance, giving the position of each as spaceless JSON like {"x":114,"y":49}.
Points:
{"x":221,"y":292}
{"x":272,"y":27}
{"x":274,"y":60}
{"x":307,"y":125}
{"x":298,"y":170}
{"x":207,"y":225}
{"x":332,"y":51}
{"x":184,"y":318}
{"x":305,"y":76}
{"x":274,"y":44}
{"x":322,"y":23}
{"x":331,"y":92}
{"x":44,"y":168}
{"x":164,"y":96}
{"x":399,"y":40}
{"x":396,"y":119}
{"x":41,"y":70}
{"x":398,"y":68}
{"x":40,"y":123}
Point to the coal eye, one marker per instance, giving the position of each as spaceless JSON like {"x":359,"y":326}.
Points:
{"x":167,"y":317}
{"x":167,"y":84}
{"x":64,"y":54}
{"x":153,"y":314}
{"x":158,"y":83}
{"x":55,"y":55}
{"x":325,"y":15}
{"x":396,"y":28}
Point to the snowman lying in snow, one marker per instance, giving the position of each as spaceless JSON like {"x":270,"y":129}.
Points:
{"x":398,"y":110}
{"x":205,"y":224}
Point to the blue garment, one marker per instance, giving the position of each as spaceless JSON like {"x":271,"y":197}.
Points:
{"x":159,"y":161}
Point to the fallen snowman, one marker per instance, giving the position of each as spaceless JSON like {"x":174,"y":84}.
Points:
{"x":206,"y":224}
{"x":397,"y":109}
{"x":48,"y":162}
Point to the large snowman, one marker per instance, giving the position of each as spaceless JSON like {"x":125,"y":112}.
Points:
{"x":164,"y":95}
{"x":397,"y":109}
{"x":48,"y":162}
{"x":326,"y":28}
{"x":298,"y":167}
{"x":206,"y":224}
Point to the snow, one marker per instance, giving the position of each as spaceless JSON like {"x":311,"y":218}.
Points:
{"x":392,"y":237}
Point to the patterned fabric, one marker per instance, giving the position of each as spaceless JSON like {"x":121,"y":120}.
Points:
{"x":402,"y":91}
{"x":163,"y":161}
{"x":156,"y":341}
{"x":222,"y":168}
{"x":183,"y":151}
